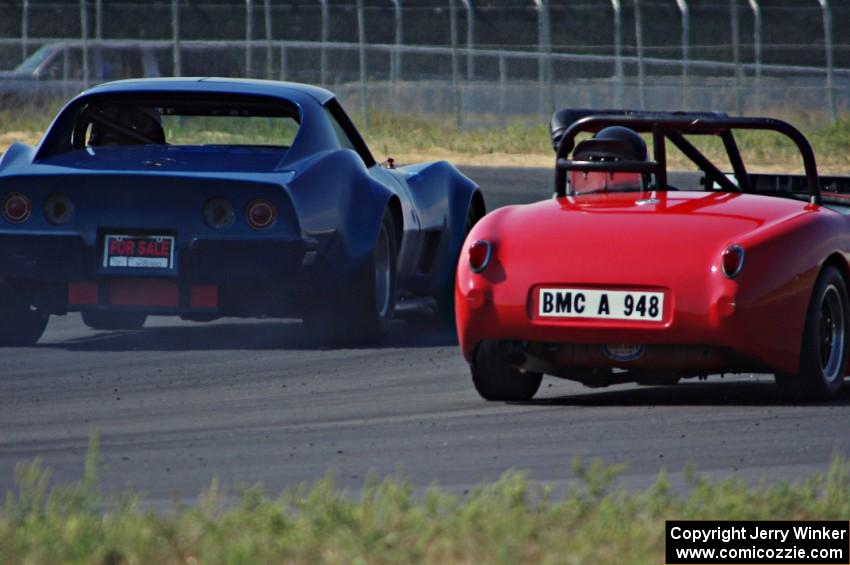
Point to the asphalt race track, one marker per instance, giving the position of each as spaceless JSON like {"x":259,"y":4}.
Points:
{"x":178,"y":404}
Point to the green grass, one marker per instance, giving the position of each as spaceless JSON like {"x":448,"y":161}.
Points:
{"x":228,"y":130}
{"x":408,"y":135}
{"x":508,"y":521}
{"x":404,"y":133}
{"x":387,"y":134}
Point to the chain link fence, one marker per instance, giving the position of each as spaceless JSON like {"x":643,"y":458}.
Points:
{"x":480,"y":63}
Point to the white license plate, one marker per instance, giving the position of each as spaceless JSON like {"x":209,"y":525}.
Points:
{"x":600,"y":304}
{"x":135,"y":252}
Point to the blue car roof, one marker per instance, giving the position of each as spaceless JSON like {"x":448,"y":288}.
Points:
{"x":288,"y":90}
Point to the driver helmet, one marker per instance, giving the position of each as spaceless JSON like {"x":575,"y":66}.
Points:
{"x":613,"y":143}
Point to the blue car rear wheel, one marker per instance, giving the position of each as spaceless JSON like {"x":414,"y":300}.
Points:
{"x":359,"y":310}
{"x":20,"y":324}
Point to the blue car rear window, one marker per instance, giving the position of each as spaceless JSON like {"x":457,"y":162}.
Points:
{"x":175,"y":131}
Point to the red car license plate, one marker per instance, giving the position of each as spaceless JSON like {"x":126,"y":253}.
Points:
{"x":600,"y":304}
{"x":138,"y":252}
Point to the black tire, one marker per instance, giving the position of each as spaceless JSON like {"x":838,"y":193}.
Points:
{"x":823,"y":357}
{"x":496,"y":380}
{"x":114,"y":320}
{"x":361,"y":310}
{"x":20,"y":325}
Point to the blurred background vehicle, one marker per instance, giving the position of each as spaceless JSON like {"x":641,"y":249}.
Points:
{"x":58,"y":67}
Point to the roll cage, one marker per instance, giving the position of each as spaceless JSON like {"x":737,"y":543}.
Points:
{"x":673,"y":126}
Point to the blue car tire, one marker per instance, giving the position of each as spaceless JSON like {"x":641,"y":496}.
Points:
{"x":20,"y":325}
{"x":361,"y":311}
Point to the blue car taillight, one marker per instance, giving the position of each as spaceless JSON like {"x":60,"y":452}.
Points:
{"x":17,"y":208}
{"x":260,"y":214}
{"x":58,"y":209}
{"x":219,"y":214}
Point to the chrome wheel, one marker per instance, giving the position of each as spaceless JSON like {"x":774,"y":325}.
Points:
{"x":831,"y":339}
{"x":383,"y":281}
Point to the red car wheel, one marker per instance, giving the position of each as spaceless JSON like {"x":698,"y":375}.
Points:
{"x":823,"y":358}
{"x":494,"y":379}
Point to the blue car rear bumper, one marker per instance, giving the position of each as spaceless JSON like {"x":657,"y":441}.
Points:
{"x":240,"y":270}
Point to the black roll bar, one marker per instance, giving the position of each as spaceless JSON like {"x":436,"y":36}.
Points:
{"x":674,"y":128}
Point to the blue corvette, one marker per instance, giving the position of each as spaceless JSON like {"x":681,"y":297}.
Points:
{"x":203,"y":198}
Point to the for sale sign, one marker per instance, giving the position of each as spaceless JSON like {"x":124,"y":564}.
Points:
{"x":133,"y":251}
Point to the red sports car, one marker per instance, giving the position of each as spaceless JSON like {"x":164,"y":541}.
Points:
{"x":623,"y":277}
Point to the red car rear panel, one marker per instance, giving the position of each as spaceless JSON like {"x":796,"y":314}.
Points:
{"x":668,"y":242}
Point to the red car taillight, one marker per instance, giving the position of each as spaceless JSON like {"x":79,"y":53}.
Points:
{"x":732,"y":260}
{"x":479,"y":255}
{"x":218,"y":213}
{"x":260,"y":214}
{"x":17,"y":208}
{"x":58,"y":209}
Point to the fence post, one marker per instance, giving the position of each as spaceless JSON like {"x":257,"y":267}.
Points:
{"x":283,"y":62}
{"x":66,"y":68}
{"x":639,"y":53}
{"x":686,"y":40}
{"x":98,"y":35}
{"x":754,"y":6}
{"x":84,"y":35}
{"x":544,"y":47}
{"x":323,"y":63}
{"x":395,"y":57}
{"x":267,"y":16}
{"x":361,"y":38}
{"x":503,"y":87}
{"x":618,"y":52}
{"x":736,"y":52}
{"x":827,"y":41}
{"x":98,"y":19}
{"x":25,"y":24}
{"x":394,"y":68}
{"x":470,"y":39}
{"x":175,"y":37}
{"x":249,"y":36}
{"x":455,"y":81}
